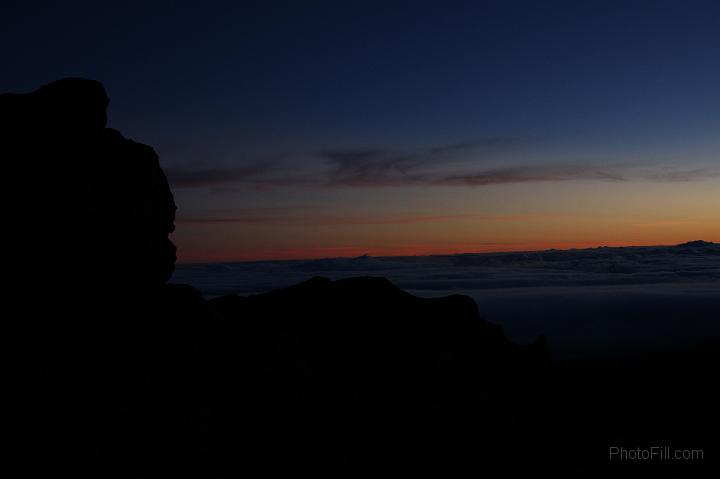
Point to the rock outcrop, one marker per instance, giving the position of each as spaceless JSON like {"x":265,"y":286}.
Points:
{"x":85,"y":258}
{"x":85,"y":210}
{"x":365,"y":374}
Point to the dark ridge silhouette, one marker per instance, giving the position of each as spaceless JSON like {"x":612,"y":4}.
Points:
{"x":697,"y":244}
{"x":112,"y":372}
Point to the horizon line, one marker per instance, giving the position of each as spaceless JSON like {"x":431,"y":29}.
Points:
{"x":578,"y":246}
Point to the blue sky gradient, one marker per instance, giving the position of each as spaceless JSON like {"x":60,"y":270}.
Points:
{"x":286,"y":112}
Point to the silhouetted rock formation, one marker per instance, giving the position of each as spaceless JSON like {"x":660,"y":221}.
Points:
{"x":366,"y":374}
{"x":86,"y":255}
{"x":85,"y":208}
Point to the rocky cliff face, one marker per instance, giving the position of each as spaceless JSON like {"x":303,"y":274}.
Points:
{"x":85,"y":257}
{"x":84,"y":208}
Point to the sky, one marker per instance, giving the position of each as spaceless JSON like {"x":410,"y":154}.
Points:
{"x":322,"y":129}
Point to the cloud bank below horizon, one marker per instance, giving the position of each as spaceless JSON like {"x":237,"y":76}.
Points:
{"x":602,"y":299}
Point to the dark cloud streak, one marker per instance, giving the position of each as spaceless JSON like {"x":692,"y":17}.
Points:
{"x":284,"y":215}
{"x":387,"y":173}
{"x":214,"y":177}
{"x":463,"y":164}
{"x":325,"y":219}
{"x":526,"y":175}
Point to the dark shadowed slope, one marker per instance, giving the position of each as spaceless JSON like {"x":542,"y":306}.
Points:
{"x":364,"y":376}
{"x":111,"y":372}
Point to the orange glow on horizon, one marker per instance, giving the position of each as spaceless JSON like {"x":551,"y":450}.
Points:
{"x":413,"y":250}
{"x":456,"y":221}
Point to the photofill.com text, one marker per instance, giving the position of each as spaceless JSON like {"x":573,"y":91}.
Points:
{"x":654,"y":453}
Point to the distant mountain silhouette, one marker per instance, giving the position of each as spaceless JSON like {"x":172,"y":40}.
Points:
{"x":112,"y":372}
{"x":697,"y":244}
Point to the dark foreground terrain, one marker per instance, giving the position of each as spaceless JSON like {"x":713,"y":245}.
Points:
{"x":113,"y":372}
{"x":603,"y":301}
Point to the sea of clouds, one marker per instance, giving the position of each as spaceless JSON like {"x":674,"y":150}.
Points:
{"x":586,"y":302}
